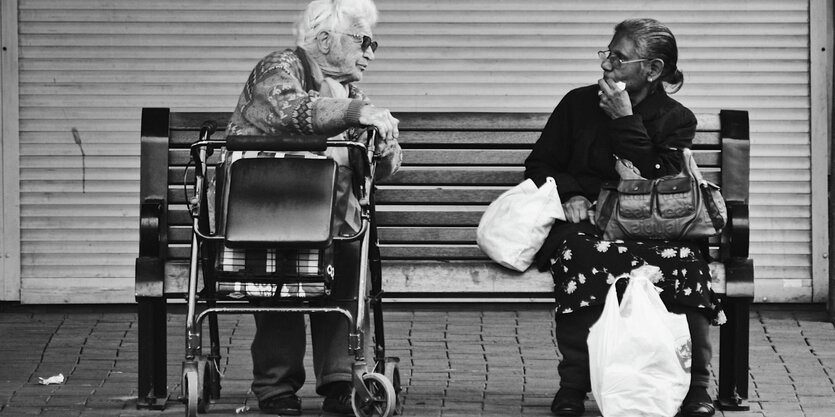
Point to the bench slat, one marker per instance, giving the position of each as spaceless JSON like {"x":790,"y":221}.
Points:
{"x":454,"y":139}
{"x":431,"y":120}
{"x":455,"y":157}
{"x":468,"y":139}
{"x":178,"y":214}
{"x":473,"y":175}
{"x":184,"y":138}
{"x":473,"y":121}
{"x":440,"y":175}
{"x":175,"y":175}
{"x":426,"y":235}
{"x":389,"y":235}
{"x":447,"y":253}
{"x":194,"y":120}
{"x":502,"y":121}
{"x":390,"y":194}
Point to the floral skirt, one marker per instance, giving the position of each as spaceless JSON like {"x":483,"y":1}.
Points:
{"x":585,"y":266}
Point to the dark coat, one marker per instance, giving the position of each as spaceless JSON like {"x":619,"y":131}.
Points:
{"x":578,"y":144}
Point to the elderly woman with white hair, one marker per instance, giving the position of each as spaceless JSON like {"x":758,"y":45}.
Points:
{"x":310,"y":90}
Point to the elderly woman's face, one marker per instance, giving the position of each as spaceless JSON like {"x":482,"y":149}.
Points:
{"x":633,"y":74}
{"x":347,"y":59}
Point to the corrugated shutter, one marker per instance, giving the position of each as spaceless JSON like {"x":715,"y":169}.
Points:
{"x":88,"y":66}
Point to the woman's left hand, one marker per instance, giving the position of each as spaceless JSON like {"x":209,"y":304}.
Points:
{"x":385,"y":147}
{"x":614,"y":101}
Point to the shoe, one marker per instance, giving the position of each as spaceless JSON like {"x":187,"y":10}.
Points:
{"x":568,"y":402}
{"x":285,"y":405}
{"x":697,"y":403}
{"x":338,"y":399}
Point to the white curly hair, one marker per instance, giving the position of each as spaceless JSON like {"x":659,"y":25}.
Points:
{"x":336,"y":15}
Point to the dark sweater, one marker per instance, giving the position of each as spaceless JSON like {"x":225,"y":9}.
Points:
{"x":577,"y":145}
{"x":578,"y":142}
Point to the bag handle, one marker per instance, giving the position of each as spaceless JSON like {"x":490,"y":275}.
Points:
{"x":688,"y":164}
{"x":611,"y":308}
{"x":642,"y":291}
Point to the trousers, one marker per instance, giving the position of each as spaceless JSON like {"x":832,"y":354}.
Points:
{"x":572,"y":332}
{"x":280,"y":341}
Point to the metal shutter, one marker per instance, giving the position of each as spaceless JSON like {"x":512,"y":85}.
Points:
{"x":91,"y":65}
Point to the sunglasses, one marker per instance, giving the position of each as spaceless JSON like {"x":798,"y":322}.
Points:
{"x":367,"y":42}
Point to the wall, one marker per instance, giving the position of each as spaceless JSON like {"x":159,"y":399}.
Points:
{"x":87,"y":67}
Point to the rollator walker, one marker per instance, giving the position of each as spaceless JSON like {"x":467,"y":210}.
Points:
{"x":273,"y":241}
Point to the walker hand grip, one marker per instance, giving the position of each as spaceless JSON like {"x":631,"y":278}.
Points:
{"x":206,"y":130}
{"x":277,"y":143}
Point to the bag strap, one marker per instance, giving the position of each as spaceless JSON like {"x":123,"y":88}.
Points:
{"x":689,"y":163}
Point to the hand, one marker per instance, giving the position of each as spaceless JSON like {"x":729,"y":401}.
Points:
{"x":384,"y":147}
{"x":381,"y":119}
{"x":576,"y":209}
{"x":613,"y":100}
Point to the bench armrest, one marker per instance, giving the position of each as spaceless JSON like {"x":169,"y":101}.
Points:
{"x":739,"y":269}
{"x":149,"y":265}
{"x":736,"y":236}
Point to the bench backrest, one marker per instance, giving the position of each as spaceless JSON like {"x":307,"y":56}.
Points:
{"x":454,"y":165}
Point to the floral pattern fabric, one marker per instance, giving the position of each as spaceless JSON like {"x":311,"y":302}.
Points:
{"x":586,"y":266}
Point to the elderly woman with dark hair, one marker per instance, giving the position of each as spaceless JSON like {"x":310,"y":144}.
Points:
{"x":310,"y":90}
{"x":626,"y":115}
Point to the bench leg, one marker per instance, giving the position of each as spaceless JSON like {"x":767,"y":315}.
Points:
{"x":152,"y":390}
{"x":733,"y":355}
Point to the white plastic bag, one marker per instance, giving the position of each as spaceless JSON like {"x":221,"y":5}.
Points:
{"x":639,"y":353}
{"x":515,"y":226}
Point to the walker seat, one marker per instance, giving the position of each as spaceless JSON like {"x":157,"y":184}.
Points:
{"x":280,"y":202}
{"x":278,"y":227}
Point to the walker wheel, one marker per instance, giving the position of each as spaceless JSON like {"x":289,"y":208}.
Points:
{"x":211,"y":381}
{"x":391,"y":369}
{"x":203,"y":385}
{"x":190,"y":391}
{"x":383,"y":398}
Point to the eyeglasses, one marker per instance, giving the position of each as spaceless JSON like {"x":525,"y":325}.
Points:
{"x":614,"y":60}
{"x":366,"y":41}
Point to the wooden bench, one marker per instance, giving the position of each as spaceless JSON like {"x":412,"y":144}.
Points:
{"x":455,"y":164}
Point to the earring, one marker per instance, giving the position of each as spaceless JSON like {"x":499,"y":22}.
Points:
{"x":649,"y":79}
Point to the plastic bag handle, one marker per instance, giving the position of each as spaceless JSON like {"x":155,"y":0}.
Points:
{"x":612,"y":308}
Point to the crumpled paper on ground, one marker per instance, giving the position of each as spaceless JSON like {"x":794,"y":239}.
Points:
{"x":57,"y":379}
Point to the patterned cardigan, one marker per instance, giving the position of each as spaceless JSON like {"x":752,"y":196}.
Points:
{"x":282,"y":95}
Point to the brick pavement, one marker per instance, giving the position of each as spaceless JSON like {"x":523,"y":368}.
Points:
{"x":473,"y":360}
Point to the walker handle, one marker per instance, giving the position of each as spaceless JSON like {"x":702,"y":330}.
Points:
{"x":277,"y":143}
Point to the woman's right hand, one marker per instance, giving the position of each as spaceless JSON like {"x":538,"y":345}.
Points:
{"x":576,"y":209}
{"x":613,"y":100}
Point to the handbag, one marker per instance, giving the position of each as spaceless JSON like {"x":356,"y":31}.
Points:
{"x":684,"y":206}
{"x":515,"y":225}
{"x":640,"y":354}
